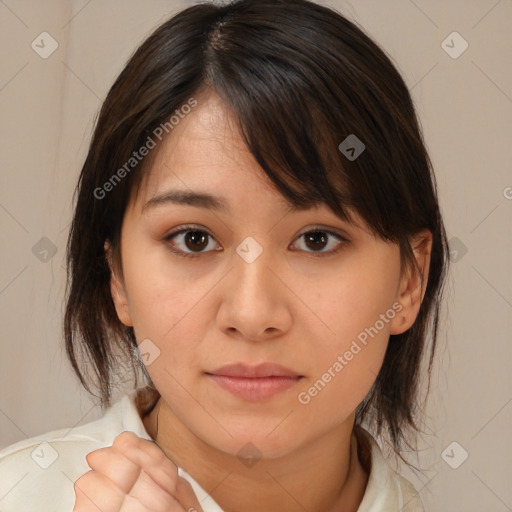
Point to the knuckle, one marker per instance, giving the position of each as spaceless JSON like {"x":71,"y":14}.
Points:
{"x":158,"y":457}
{"x":156,"y":454}
{"x":126,"y":438}
{"x":125,"y":441}
{"x":91,"y":456}
{"x":96,"y":457}
{"x":82,"y":482}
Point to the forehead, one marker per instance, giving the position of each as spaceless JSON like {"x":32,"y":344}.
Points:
{"x":205,"y":162}
{"x":205,"y":138}
{"x":204,"y":151}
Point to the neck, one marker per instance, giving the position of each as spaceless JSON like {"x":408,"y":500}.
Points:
{"x":324,"y":475}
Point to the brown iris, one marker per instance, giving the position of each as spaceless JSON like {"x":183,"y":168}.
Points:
{"x":196,"y":240}
{"x":316,"y":239}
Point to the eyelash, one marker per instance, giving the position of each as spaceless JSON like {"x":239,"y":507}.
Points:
{"x":190,"y":228}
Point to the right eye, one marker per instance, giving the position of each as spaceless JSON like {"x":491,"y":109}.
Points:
{"x":190,"y":242}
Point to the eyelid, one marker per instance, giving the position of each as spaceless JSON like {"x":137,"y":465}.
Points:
{"x":188,"y":227}
{"x":325,"y":229}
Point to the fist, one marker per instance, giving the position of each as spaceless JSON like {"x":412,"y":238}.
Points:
{"x":133,"y":475}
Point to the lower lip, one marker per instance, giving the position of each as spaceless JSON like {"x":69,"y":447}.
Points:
{"x":254,"y":389}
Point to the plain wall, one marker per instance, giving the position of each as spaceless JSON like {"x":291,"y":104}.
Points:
{"x":48,"y":107}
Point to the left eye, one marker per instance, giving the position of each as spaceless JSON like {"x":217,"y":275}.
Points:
{"x":320,"y":239}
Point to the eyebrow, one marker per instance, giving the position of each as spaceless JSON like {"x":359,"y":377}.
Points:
{"x":203,"y":200}
{"x":183,"y":197}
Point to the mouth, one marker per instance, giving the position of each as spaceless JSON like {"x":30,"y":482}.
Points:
{"x":254,"y":383}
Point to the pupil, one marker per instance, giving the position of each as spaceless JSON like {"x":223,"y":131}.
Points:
{"x":318,"y":240}
{"x":197,"y":239}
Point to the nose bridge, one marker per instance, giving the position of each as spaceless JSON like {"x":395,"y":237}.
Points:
{"x":254,"y":303}
{"x":251,"y":269}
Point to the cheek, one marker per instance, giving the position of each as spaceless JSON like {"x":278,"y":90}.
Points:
{"x":343,"y":378}
{"x":350,"y":310}
{"x":160,"y":293}
{"x":356,"y":310}
{"x":167,"y":311}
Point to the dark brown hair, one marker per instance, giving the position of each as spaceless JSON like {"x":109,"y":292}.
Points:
{"x":299,"y":78}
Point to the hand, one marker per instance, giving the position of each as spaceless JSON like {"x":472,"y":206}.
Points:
{"x":133,"y":475}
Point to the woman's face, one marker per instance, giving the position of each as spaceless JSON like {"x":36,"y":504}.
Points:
{"x":254,"y":286}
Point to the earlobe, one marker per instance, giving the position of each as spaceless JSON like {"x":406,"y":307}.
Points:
{"x":118,"y":292}
{"x":120,"y":301}
{"x":413,"y":283}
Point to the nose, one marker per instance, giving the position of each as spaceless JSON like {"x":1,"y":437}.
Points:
{"x":256,"y":304}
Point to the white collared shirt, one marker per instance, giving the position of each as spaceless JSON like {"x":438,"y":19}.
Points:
{"x":38,"y":474}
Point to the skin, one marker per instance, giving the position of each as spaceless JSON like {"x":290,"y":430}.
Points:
{"x":132,"y":475}
{"x":289,"y":307}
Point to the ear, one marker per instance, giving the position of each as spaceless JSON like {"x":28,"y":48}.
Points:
{"x":117,"y":291}
{"x":412,"y":286}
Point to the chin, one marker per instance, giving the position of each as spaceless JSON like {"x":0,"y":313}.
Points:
{"x":254,"y":448}
{"x":253,"y":439}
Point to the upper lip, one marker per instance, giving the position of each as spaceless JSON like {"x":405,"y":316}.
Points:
{"x":254,"y":371}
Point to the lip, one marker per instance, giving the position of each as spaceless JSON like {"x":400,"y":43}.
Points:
{"x":253,"y":383}
{"x":254,"y":371}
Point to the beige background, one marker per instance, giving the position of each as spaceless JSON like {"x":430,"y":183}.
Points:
{"x":465,"y":105}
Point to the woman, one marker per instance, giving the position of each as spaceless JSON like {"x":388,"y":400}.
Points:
{"x":257,"y":228}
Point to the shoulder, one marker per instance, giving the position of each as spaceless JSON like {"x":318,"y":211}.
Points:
{"x":386,"y":489}
{"x":39,"y":473}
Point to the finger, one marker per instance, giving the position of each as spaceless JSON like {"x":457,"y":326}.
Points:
{"x":115,"y":466}
{"x":95,"y":492}
{"x":151,"y":496}
{"x":148,"y":456}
